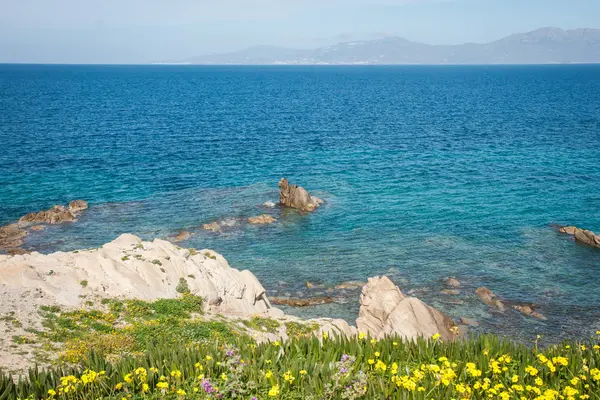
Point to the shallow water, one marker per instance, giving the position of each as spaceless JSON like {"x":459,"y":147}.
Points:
{"x":427,"y":172}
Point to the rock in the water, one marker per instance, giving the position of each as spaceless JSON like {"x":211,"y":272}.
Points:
{"x":468,"y":321}
{"x":11,"y":236}
{"x":77,"y":206}
{"x":350,"y":285}
{"x":213,"y":226}
{"x":261,"y":220}
{"x":582,"y":235}
{"x":452,"y":282}
{"x":450,"y":292}
{"x":37,"y":228}
{"x":312,"y":301}
{"x":490,"y":298}
{"x":55,"y":215}
{"x":269,"y":204}
{"x":297,"y":197}
{"x":181,"y":236}
{"x":309,"y":285}
{"x":130,"y":268}
{"x":527,"y":310}
{"x":384,"y":310}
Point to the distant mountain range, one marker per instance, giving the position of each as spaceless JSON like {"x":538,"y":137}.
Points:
{"x":542,"y":46}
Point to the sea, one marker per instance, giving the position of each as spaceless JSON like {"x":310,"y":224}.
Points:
{"x":427,"y":172}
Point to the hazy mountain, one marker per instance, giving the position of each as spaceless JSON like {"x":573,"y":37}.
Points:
{"x":542,"y":46}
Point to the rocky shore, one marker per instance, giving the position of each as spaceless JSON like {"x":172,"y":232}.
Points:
{"x":129,"y":268}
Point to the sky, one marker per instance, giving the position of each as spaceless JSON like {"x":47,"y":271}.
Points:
{"x":143,"y":31}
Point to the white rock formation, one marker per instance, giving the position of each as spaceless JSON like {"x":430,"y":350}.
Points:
{"x":130,"y":268}
{"x":384,"y":310}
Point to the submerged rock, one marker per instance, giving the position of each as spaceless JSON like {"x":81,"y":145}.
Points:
{"x":181,"y":236}
{"x":452,"y":282}
{"x":261,"y":220}
{"x":295,"y":196}
{"x":350,"y":285}
{"x":582,"y":235}
{"x":213,"y":226}
{"x":312,"y":301}
{"x":450,"y":292}
{"x":269,"y":204}
{"x":469,"y":322}
{"x":490,"y":298}
{"x":384,"y":310}
{"x":527,"y":310}
{"x":11,"y":236}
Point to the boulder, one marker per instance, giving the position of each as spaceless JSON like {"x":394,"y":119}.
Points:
{"x":76,"y":206}
{"x":269,"y":204}
{"x":213,"y":226}
{"x":55,"y":215}
{"x":490,"y":298}
{"x":261,"y":220}
{"x":581,"y":235}
{"x":294,"y":196}
{"x":37,"y":228}
{"x":384,"y":310}
{"x":310,"y":301}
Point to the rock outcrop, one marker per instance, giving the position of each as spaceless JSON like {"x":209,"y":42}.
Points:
{"x":264,"y":219}
{"x":297,"y":197}
{"x":77,"y":206}
{"x":130,"y":268}
{"x":11,"y":236}
{"x":452,"y":282}
{"x":582,"y":235}
{"x":384,"y":310}
{"x":55,"y":215}
{"x":490,"y":298}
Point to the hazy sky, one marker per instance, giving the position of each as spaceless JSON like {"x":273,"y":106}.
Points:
{"x":138,"y":31}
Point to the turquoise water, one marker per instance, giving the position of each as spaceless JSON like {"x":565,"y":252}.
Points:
{"x":427,"y":172}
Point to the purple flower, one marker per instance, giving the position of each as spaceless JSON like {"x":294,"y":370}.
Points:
{"x":207,"y":386}
{"x":343,"y":370}
{"x":345,"y":357}
{"x":230,"y":353}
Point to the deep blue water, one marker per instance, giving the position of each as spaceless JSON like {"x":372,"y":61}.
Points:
{"x":427,"y":172}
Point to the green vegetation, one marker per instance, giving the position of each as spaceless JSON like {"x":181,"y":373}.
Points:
{"x":300,"y":329}
{"x":262,"y":324}
{"x":182,"y":286}
{"x":207,"y":254}
{"x":201,"y":365}
{"x":83,"y":283}
{"x":124,"y":258}
{"x":156,"y":262}
{"x":11,"y":319}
